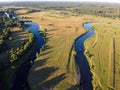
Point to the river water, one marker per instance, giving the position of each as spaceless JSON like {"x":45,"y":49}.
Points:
{"x":85,"y":74}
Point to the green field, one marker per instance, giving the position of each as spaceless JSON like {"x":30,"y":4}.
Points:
{"x":105,"y":59}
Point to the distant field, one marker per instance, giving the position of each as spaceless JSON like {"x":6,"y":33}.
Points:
{"x":50,"y":68}
{"x":105,"y":60}
{"x":21,"y":11}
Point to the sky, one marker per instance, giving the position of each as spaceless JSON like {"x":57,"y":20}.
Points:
{"x":114,"y":1}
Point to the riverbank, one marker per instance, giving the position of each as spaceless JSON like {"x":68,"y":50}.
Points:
{"x":85,"y":80}
{"x":17,"y":51}
{"x":10,"y":72}
{"x":72,"y":63}
{"x":20,"y":58}
{"x":21,"y":75}
{"x":104,"y":66}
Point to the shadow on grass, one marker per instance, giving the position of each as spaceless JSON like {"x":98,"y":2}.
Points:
{"x":50,"y":84}
{"x":52,"y":30}
{"x":45,"y":53}
{"x":49,"y":36}
{"x":42,"y":74}
{"x":75,"y":87}
{"x":41,"y":62}
{"x":46,"y":47}
{"x":69,"y":57}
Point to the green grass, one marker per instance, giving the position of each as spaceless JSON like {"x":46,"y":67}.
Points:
{"x":104,"y":62}
{"x":50,"y":68}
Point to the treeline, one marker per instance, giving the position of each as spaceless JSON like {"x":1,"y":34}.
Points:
{"x":111,"y":10}
{"x":99,"y":9}
{"x":5,"y":29}
{"x":5,"y":34}
{"x":15,"y":54}
{"x":6,"y":22}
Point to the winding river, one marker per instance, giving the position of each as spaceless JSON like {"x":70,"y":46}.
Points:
{"x":20,"y":80}
{"x":85,"y":74}
{"x":21,"y":75}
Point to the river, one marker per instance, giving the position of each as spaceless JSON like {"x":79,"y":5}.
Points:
{"x":21,"y":75}
{"x":85,"y":74}
{"x":20,"y":82}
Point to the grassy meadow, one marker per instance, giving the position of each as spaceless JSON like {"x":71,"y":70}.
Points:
{"x":50,"y":68}
{"x":105,"y":59}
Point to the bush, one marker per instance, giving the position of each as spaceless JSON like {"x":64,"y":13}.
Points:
{"x":10,"y":38}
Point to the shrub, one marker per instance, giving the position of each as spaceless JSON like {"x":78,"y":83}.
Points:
{"x":10,"y":38}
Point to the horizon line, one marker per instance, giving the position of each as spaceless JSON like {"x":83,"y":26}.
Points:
{"x":61,"y":1}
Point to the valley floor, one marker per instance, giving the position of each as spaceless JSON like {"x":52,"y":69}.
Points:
{"x":50,"y":68}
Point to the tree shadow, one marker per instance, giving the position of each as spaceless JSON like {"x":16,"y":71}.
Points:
{"x":52,"y":30}
{"x":45,"y":53}
{"x":48,"y":36}
{"x":41,"y":62}
{"x":42,"y":74}
{"x":16,"y":39}
{"x":46,"y":47}
{"x":50,"y":84}
{"x":75,"y":87}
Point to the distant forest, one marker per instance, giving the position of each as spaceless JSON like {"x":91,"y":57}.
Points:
{"x":111,"y":10}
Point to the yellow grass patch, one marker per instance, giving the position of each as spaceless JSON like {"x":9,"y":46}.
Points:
{"x":104,"y":47}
